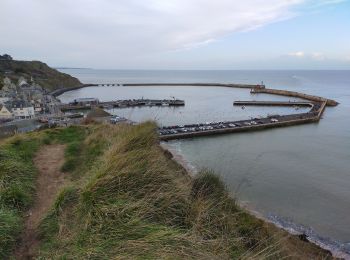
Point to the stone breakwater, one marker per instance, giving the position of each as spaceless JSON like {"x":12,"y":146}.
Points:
{"x":288,"y":93}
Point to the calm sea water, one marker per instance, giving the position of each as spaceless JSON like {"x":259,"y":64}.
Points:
{"x":298,"y":177}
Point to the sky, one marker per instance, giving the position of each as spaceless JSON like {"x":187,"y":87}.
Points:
{"x":178,"y":34}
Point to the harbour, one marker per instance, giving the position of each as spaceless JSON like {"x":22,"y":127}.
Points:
{"x":288,"y":161}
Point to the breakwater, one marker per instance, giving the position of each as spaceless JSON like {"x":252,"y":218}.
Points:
{"x":288,"y":93}
{"x":230,"y":85}
{"x":272,"y":103}
{"x":215,"y":128}
{"x":60,"y":91}
{"x":239,"y":126}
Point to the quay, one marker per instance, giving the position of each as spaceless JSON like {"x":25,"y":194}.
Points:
{"x":215,"y":128}
{"x":288,"y":93}
{"x":273,"y":103}
{"x":87,"y":104}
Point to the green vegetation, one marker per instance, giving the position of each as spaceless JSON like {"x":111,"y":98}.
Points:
{"x":17,"y":175}
{"x":128,"y":199}
{"x":17,"y":178}
{"x":45,"y":76}
{"x":134,"y":202}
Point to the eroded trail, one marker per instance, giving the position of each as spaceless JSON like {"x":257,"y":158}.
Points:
{"x":50,"y":179}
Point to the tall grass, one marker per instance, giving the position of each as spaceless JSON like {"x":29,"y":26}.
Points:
{"x":136,"y":203}
{"x":18,"y":175}
{"x":128,"y":200}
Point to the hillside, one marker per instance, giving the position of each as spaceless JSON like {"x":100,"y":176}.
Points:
{"x":42,"y":74}
{"x":125,"y":198}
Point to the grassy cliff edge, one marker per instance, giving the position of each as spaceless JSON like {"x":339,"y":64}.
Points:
{"x":128,"y":199}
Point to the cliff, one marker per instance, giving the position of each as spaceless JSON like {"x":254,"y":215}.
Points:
{"x":42,"y":74}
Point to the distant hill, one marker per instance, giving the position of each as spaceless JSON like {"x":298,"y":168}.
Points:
{"x":48,"y":78}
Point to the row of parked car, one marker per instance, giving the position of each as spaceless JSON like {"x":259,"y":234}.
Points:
{"x":177,"y":129}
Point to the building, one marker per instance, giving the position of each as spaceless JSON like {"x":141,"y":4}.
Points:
{"x":38,"y":107}
{"x":22,"y":109}
{"x":5,"y":113}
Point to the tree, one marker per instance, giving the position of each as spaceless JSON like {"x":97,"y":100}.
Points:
{"x":5,"y":57}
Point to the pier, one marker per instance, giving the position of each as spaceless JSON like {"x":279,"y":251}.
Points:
{"x":122,"y":104}
{"x":215,"y":128}
{"x":288,"y":93}
{"x":273,"y":103}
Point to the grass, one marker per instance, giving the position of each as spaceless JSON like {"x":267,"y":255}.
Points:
{"x":134,"y":202}
{"x":17,"y":178}
{"x":128,"y":200}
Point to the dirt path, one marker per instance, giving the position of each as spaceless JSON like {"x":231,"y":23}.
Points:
{"x":50,"y":179}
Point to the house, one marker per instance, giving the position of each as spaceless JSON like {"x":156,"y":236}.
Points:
{"x":5,"y":113}
{"x":22,"y":109}
{"x":38,"y":107}
{"x":22,"y":82}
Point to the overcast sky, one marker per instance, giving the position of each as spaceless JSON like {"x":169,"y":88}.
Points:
{"x":178,"y":34}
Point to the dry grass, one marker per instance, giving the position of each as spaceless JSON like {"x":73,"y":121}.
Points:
{"x":128,"y":200}
{"x":134,"y":202}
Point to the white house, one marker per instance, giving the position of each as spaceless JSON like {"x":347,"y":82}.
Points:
{"x":22,"y":110}
{"x":5,"y":113}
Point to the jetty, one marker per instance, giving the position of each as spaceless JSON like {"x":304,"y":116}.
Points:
{"x":273,"y":103}
{"x":88,"y":103}
{"x":288,"y":93}
{"x":225,"y":127}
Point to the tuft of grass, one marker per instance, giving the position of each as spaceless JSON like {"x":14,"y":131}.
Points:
{"x":66,"y":135}
{"x":10,"y":227}
{"x":17,"y":176}
{"x":207,"y":184}
{"x":50,"y":224}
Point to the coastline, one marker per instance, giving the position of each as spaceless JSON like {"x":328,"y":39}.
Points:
{"x":177,"y":157}
{"x":298,"y":234}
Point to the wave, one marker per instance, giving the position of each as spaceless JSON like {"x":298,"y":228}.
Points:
{"x":338,"y":249}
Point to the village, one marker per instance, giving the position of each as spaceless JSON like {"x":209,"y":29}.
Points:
{"x":24,"y":103}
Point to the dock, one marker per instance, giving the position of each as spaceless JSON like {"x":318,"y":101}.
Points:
{"x":215,"y":128}
{"x":288,"y":93}
{"x":124,"y":104}
{"x":273,"y":103}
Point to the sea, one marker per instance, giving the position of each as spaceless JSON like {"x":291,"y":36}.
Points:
{"x":296,"y":177}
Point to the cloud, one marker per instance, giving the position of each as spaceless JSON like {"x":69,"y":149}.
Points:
{"x":298,"y":54}
{"x":135,"y":25}
{"x":318,"y":56}
{"x":128,"y":31}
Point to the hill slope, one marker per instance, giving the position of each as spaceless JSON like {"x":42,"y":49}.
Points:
{"x":126,"y":199}
{"x":47,"y":77}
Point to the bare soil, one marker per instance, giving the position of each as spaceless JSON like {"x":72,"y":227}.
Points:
{"x":50,"y":180}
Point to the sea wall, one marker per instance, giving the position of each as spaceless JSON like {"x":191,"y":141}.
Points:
{"x":60,"y":91}
{"x":330,"y":102}
{"x":240,"y":129}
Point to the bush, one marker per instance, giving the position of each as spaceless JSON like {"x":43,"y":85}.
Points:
{"x":206,"y":184}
